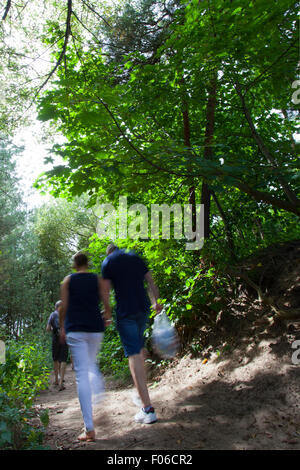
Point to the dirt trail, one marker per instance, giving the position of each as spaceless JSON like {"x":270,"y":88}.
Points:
{"x":246,"y":399}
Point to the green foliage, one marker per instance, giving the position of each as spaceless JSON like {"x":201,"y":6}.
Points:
{"x":26,"y":370}
{"x":189,"y":293}
{"x":36,"y":251}
{"x":22,"y":376}
{"x":16,"y":430}
{"x":124,"y":116}
{"x":12,"y":219}
{"x":111,"y":358}
{"x":194,"y":287}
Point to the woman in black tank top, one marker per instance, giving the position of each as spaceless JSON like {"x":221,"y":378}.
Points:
{"x":82,"y":325}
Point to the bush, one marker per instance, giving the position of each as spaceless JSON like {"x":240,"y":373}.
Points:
{"x":22,"y":376}
{"x":16,"y":430}
{"x":25,"y":371}
{"x":111,"y":358}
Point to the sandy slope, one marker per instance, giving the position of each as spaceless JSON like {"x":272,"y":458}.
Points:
{"x":245,"y":399}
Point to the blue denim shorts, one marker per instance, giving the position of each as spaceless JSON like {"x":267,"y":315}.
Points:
{"x":131,"y":330}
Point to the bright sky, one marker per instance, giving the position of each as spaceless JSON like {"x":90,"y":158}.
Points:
{"x":30,"y":163}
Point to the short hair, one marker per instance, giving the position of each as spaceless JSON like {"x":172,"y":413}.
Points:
{"x":111,"y":247}
{"x":80,"y":259}
{"x":58,"y":303}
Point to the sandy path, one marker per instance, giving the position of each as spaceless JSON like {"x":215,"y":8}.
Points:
{"x":248,"y":399}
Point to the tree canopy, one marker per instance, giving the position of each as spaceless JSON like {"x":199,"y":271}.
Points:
{"x":181,"y":106}
{"x":168,"y":102}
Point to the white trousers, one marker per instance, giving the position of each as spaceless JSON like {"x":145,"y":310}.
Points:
{"x":84,"y":348}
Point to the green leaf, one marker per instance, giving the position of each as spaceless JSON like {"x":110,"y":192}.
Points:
{"x":168,"y":270}
{"x":237,"y":10}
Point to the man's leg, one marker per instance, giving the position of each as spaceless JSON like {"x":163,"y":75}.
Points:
{"x":63,"y":356}
{"x":62,"y":371}
{"x":131,"y":331}
{"x":138,"y":373}
{"x":56,"y":371}
{"x":55,"y":357}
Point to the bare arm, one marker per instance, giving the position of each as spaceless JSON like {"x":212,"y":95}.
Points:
{"x":105,"y":288}
{"x":64,"y":296}
{"x":153,"y":292}
{"x":48,"y":328}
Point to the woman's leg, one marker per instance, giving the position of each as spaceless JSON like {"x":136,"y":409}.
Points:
{"x":95,"y":376}
{"x":79,"y":346}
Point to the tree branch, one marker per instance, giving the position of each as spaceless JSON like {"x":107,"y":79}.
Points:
{"x":264,"y":149}
{"x":63,"y":51}
{"x":137,"y":151}
{"x":261,"y":196}
{"x":96,"y":13}
{"x":257,"y":79}
{"x":7,"y":8}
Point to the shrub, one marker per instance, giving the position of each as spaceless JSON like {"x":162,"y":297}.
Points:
{"x":22,"y":376}
{"x":25,"y":371}
{"x":111,"y":358}
{"x":16,"y":430}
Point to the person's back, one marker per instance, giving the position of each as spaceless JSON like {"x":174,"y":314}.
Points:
{"x":54,"y":323}
{"x":127,"y":270}
{"x":82,"y":324}
{"x":126,"y":273}
{"x":59,"y":349}
{"x":83,"y":313}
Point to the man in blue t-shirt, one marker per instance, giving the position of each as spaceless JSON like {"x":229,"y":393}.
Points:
{"x":126,"y":273}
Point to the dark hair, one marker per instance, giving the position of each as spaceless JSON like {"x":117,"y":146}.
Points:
{"x":80,"y":259}
{"x":111,"y":247}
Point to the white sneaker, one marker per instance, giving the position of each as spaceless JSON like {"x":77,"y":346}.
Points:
{"x":146,"y":417}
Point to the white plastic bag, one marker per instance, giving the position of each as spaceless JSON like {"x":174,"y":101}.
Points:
{"x":164,"y":336}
